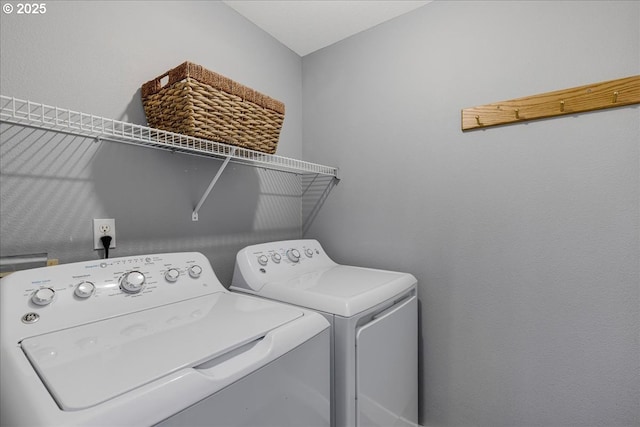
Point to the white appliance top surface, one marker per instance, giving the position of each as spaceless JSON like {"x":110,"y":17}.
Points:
{"x":341,"y":290}
{"x":300,"y":272}
{"x":126,"y":352}
{"x":343,"y":282}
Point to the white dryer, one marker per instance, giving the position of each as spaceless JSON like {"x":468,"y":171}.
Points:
{"x":373,"y":313}
{"x":155,"y":340}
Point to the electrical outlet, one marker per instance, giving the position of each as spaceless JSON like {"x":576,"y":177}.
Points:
{"x":104,"y":227}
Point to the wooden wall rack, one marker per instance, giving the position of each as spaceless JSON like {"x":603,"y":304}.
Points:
{"x":596,"y":96}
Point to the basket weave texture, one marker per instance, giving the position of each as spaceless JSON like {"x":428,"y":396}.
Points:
{"x":204,"y":104}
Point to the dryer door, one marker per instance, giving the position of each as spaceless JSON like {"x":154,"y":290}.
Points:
{"x":387,"y":367}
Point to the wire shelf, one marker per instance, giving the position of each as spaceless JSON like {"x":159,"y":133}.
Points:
{"x":42,"y":116}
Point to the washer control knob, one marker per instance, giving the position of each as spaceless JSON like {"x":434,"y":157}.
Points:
{"x":293,"y":255}
{"x":308,"y":252}
{"x":84,"y":290}
{"x":132,"y":282}
{"x":172,"y":275}
{"x":43,"y":296}
{"x":195,"y":271}
{"x":275,"y":257}
{"x":263,"y":260}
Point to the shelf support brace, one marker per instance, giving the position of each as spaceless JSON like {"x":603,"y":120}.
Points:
{"x":194,"y":215}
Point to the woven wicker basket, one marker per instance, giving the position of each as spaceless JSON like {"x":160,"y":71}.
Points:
{"x":203,"y":104}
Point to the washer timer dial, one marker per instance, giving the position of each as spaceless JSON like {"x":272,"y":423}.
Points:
{"x":132,"y":282}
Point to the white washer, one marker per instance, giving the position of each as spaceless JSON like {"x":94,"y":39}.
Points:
{"x":155,"y":340}
{"x":373,"y":313}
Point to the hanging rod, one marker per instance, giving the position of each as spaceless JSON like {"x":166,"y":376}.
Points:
{"x":41,"y":116}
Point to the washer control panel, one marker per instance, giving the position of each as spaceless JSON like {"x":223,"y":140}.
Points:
{"x":76,"y":293}
{"x":284,"y":260}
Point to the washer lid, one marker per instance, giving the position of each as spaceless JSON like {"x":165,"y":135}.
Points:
{"x":89,"y":364}
{"x":342,"y":290}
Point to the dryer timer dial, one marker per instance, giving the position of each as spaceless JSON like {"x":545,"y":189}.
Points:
{"x":293,"y":255}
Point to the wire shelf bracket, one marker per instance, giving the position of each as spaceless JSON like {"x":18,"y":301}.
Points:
{"x":194,"y":215}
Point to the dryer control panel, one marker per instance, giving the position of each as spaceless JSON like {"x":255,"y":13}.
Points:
{"x":50,"y":298}
{"x":278,"y":261}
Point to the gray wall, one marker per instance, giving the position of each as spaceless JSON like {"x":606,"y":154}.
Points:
{"x":524,"y":238}
{"x":93,"y":57}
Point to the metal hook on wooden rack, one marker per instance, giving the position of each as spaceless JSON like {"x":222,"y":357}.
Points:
{"x":615,"y":97}
{"x":517,"y":110}
{"x":478,"y":120}
{"x":562,"y":105}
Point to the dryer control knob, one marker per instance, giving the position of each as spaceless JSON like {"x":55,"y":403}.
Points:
{"x":293,"y":255}
{"x":43,"y":296}
{"x":276,"y":258}
{"x":84,"y":290}
{"x":172,"y":275}
{"x":263,"y":260}
{"x":132,"y":282}
{"x":308,"y":252}
{"x":195,"y":271}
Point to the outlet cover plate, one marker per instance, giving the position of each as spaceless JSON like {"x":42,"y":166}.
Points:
{"x":99,"y":228}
